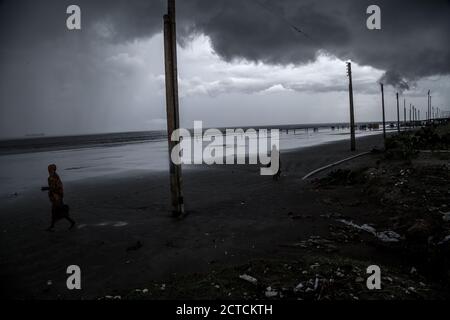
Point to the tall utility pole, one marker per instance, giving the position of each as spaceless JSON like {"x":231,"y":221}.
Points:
{"x":414,"y":116}
{"x":352,"y":116}
{"x":404,"y":113}
{"x":431,"y":113}
{"x":384,"y":119}
{"x":398,"y":116}
{"x":173,"y":120}
{"x":410,"y":111}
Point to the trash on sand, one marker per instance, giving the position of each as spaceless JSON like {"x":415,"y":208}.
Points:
{"x":447,"y":238}
{"x":248,"y":278}
{"x":315,"y":265}
{"x":316,"y":284}
{"x":388,"y":236}
{"x":385,"y":236}
{"x":364,"y":227}
{"x":271,"y":293}
{"x":299,"y":287}
{"x":446,"y":216}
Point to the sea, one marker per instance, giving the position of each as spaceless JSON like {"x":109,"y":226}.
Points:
{"x":24,"y":161}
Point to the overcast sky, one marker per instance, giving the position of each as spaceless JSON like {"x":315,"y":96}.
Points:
{"x":240,"y":62}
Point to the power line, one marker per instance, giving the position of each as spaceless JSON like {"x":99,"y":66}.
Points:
{"x":274,"y":12}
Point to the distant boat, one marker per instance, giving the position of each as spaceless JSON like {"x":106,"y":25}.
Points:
{"x":34,"y":135}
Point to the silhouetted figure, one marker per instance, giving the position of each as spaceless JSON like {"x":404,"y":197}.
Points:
{"x":56,"y":195}
{"x":275,"y":155}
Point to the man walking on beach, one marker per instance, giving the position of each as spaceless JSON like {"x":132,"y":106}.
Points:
{"x":56,"y":195}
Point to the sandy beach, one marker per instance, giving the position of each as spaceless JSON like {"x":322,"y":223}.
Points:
{"x":126,"y":239}
{"x":234,"y":215}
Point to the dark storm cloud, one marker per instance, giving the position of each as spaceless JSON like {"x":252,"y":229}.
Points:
{"x":48,"y":73}
{"x":394,"y":79}
{"x":413,"y":42}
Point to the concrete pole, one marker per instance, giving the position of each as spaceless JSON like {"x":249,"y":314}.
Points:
{"x":173,"y":122}
{"x":398,"y":115}
{"x":384,"y":119}
{"x":352,"y":116}
{"x":410,"y":114}
{"x":404,"y":113}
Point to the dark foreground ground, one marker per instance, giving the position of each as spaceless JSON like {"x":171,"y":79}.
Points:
{"x":299,"y":239}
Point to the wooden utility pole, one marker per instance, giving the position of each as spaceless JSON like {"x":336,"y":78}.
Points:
{"x":398,"y":115}
{"x":384,"y":119}
{"x":352,"y":116}
{"x":173,"y":121}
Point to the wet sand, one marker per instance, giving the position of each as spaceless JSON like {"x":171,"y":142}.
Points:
{"x":234,"y":215}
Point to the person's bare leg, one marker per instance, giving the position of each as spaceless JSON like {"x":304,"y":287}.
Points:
{"x":52,"y":225}
{"x":72,"y":222}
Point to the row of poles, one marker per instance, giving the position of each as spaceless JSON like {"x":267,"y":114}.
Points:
{"x":172,"y":109}
{"x":414,"y":113}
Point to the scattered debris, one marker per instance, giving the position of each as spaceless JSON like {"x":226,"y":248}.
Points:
{"x":446,"y":216}
{"x":248,"y":278}
{"x":270,"y":293}
{"x":385,"y":236}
